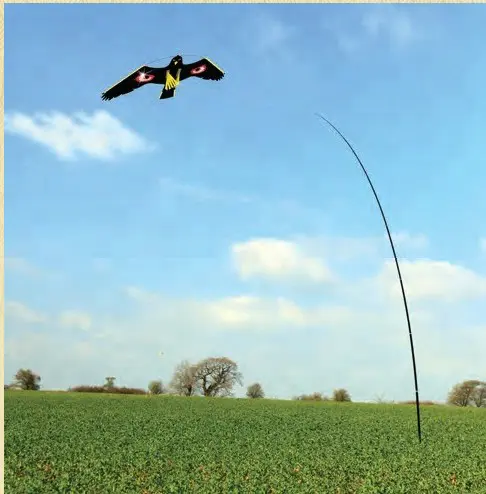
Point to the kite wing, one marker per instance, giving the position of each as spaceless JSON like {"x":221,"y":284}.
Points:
{"x":204,"y":69}
{"x":138,"y":78}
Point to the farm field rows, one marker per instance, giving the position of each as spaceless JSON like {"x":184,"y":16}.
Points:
{"x":85,"y":443}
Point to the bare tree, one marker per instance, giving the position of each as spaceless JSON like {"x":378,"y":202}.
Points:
{"x":341,"y":395}
{"x":109,"y":382}
{"x":217,"y":376}
{"x":463,"y":394}
{"x":479,"y":396}
{"x":380,"y":399}
{"x":156,"y":387}
{"x":255,"y":391}
{"x":27,"y":380}
{"x":184,"y":380}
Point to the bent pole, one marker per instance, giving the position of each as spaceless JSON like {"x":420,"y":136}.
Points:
{"x":417,"y":401}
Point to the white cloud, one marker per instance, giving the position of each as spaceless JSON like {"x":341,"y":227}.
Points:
{"x":279,"y":260}
{"x":428,"y":279}
{"x":269,"y":38}
{"x":407,"y":240}
{"x":68,"y":319}
{"x":253,"y":312}
{"x":23,"y":267}
{"x":243,"y":312}
{"x":291,"y":345}
{"x":260,"y":314}
{"x":239,"y":312}
{"x":19,"y":266}
{"x":272,"y":33}
{"x":17,"y":311}
{"x":365,"y":349}
{"x":445,"y":354}
{"x":393,"y":23}
{"x":378,"y":23}
{"x":73,"y":319}
{"x":347,"y":42}
{"x":99,"y":136}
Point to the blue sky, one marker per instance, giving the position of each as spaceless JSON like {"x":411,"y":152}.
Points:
{"x":228,"y":220}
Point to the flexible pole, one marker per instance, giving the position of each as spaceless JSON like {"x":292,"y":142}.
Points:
{"x":417,"y":401}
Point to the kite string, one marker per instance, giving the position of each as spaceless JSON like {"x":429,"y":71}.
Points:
{"x":171,"y":56}
{"x":417,"y":401}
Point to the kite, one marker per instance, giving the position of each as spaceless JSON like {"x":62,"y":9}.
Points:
{"x":397,"y":265}
{"x":170,"y":77}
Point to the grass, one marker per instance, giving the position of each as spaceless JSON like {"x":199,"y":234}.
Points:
{"x":88,"y":443}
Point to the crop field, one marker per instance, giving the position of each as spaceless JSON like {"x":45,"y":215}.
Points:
{"x":85,"y":443}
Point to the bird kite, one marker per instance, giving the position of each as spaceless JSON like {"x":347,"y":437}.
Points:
{"x":170,"y":77}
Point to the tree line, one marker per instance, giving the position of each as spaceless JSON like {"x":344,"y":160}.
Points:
{"x":217,"y":377}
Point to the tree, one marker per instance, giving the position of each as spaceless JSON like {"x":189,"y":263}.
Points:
{"x":217,"y":376}
{"x":380,"y":399}
{"x":255,"y":391}
{"x":465,"y":393}
{"x":479,"y":396}
{"x":184,"y":379}
{"x":27,"y":380}
{"x":316,"y":396}
{"x":341,"y":395}
{"x":109,"y":382}
{"x":156,"y":387}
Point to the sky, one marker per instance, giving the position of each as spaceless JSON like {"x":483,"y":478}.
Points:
{"x":229,"y":220}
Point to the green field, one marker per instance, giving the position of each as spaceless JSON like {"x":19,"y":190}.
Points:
{"x":81,"y":443}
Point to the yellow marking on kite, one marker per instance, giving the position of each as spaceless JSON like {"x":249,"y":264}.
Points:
{"x":212,"y":63}
{"x":170,"y":82}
